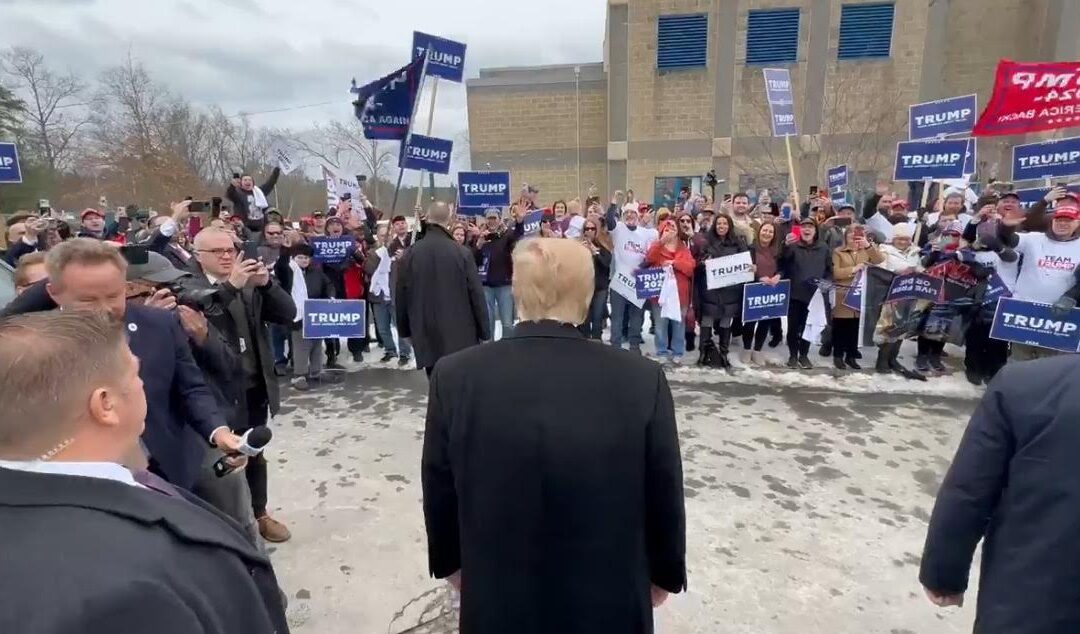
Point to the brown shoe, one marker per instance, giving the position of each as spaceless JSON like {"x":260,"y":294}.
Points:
{"x":273,"y":530}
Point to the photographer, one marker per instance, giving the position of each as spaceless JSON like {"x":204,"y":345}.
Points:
{"x":250,"y":299}
{"x":26,"y":237}
{"x":160,"y":285}
{"x":494,"y":246}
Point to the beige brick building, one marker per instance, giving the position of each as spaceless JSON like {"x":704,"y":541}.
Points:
{"x":626,"y":122}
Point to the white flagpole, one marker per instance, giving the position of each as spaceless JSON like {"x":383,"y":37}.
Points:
{"x":408,"y":132}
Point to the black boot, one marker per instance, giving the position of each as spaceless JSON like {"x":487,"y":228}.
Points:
{"x":975,"y":378}
{"x":690,"y":341}
{"x":882,"y":365}
{"x":894,"y":364}
{"x":838,"y":363}
{"x":850,"y":362}
{"x":804,"y":362}
{"x":793,"y":362}
{"x":722,"y":348}
{"x":706,"y":352}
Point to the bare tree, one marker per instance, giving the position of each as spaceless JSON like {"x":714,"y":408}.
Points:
{"x":859,"y":131}
{"x":342,"y":145}
{"x":55,"y":111}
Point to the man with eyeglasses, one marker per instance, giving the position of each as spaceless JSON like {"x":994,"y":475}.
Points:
{"x":250,"y":298}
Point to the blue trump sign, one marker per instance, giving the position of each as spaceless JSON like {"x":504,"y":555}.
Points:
{"x":648,"y":283}
{"x":1046,"y":160}
{"x":483,"y":189}
{"x":781,"y":101}
{"x":331,"y":250}
{"x":914,"y":286}
{"x":426,"y":153}
{"x":447,"y":57}
{"x":838,"y":178}
{"x":943,"y":117}
{"x":930,"y":160}
{"x":1029,"y":197}
{"x":853,"y":298}
{"x":1034,"y":324}
{"x":996,"y":288}
{"x":969,"y":157}
{"x":532,"y":221}
{"x":761,"y":301}
{"x":332,"y":318}
{"x":9,"y":164}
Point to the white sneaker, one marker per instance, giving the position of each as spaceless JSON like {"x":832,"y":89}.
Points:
{"x":758,"y":358}
{"x":676,"y":362}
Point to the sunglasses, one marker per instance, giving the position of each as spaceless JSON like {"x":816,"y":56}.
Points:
{"x":590,"y":228}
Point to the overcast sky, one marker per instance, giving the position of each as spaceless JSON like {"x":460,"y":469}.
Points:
{"x":256,"y":55}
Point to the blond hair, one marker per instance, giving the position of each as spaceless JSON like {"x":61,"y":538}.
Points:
{"x":22,"y":277}
{"x":553,"y":279}
{"x":87,"y":251}
{"x":49,"y":364}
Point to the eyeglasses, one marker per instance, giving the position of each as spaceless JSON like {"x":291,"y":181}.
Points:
{"x":590,"y":228}
{"x":217,"y":253}
{"x":273,"y":233}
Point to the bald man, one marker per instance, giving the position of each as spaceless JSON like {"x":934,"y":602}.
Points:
{"x":251,"y":299}
{"x":440,"y":300}
{"x":103,"y":548}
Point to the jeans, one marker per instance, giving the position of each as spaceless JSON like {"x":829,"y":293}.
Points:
{"x":384,"y":319}
{"x":500,"y":299}
{"x":677,"y":337}
{"x":278,"y":336}
{"x":625,"y":313}
{"x":593,"y":328}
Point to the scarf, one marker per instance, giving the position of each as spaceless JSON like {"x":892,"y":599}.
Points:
{"x":380,"y":279}
{"x":260,"y":198}
{"x":299,"y":289}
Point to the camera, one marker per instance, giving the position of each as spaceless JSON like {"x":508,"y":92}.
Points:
{"x":200,"y":299}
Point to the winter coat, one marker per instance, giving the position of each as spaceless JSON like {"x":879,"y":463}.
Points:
{"x":897,"y":260}
{"x":439,"y":299}
{"x":682,"y":263}
{"x":721,"y":303}
{"x":804,"y":264}
{"x":601,"y":268}
{"x":846,"y":261}
{"x":1014,"y":485}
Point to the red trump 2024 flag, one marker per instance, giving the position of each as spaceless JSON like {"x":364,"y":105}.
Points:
{"x":1032,"y":97}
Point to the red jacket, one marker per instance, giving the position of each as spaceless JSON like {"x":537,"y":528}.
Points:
{"x":680,"y":260}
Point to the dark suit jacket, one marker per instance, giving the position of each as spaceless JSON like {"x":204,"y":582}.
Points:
{"x":557,"y":493}
{"x":176,"y":394}
{"x":258,"y":305}
{"x":439,"y":299}
{"x":1014,"y":483}
{"x":96,"y":556}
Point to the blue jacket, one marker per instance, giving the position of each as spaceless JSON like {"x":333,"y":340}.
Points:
{"x":1014,"y":485}
{"x":178,"y":402}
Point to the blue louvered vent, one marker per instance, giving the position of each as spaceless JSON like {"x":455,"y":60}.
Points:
{"x":772,"y":36}
{"x":682,"y":41}
{"x":866,"y":30}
